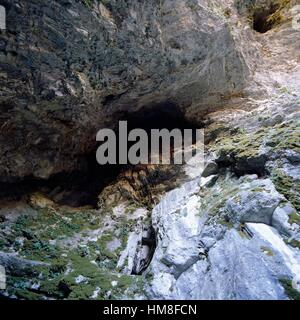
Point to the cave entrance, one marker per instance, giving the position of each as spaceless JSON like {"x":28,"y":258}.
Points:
{"x":264,"y":19}
{"x":82,"y":188}
{"x":162,"y":116}
{"x":87,"y":187}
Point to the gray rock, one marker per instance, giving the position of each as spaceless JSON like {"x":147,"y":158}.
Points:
{"x":293,"y":156}
{"x":80,"y":68}
{"x":113,"y":245}
{"x":280,"y":220}
{"x":256,"y":203}
{"x":208,"y":182}
{"x":178,"y":224}
{"x":17,"y":266}
{"x":211,"y":169}
{"x":230,"y":264}
{"x":236,"y":269}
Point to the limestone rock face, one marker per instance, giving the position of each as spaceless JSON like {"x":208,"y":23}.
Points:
{"x":281,"y":221}
{"x":256,"y":203}
{"x":177,"y":221}
{"x":235,"y":269}
{"x":200,"y":256}
{"x":69,"y":69}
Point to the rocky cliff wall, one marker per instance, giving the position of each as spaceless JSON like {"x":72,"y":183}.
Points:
{"x":69,"y":68}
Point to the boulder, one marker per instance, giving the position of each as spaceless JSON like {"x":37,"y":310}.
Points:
{"x":281,"y":220}
{"x":210,"y":169}
{"x":177,"y":222}
{"x":256,"y":203}
{"x":17,"y":266}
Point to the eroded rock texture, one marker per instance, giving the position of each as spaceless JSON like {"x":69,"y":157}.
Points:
{"x":69,"y":69}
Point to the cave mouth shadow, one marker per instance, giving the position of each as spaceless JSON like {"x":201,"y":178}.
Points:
{"x":264,"y":19}
{"x":82,"y":188}
{"x":161,"y":116}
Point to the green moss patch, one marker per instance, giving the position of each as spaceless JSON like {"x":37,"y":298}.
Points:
{"x":292,"y":293}
{"x":289,"y":188}
{"x":267,"y":251}
{"x":45,"y":237}
{"x":294,"y":218}
{"x":294,"y":243}
{"x":242,"y":144}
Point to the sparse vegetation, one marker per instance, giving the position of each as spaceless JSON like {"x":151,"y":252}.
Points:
{"x":289,"y":188}
{"x":267,"y":251}
{"x":292,"y":293}
{"x":294,"y":243}
{"x":88,"y":3}
{"x":43,"y":237}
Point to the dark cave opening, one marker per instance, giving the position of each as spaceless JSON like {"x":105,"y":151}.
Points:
{"x":82,"y":188}
{"x":264,"y":19}
{"x":162,"y":116}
